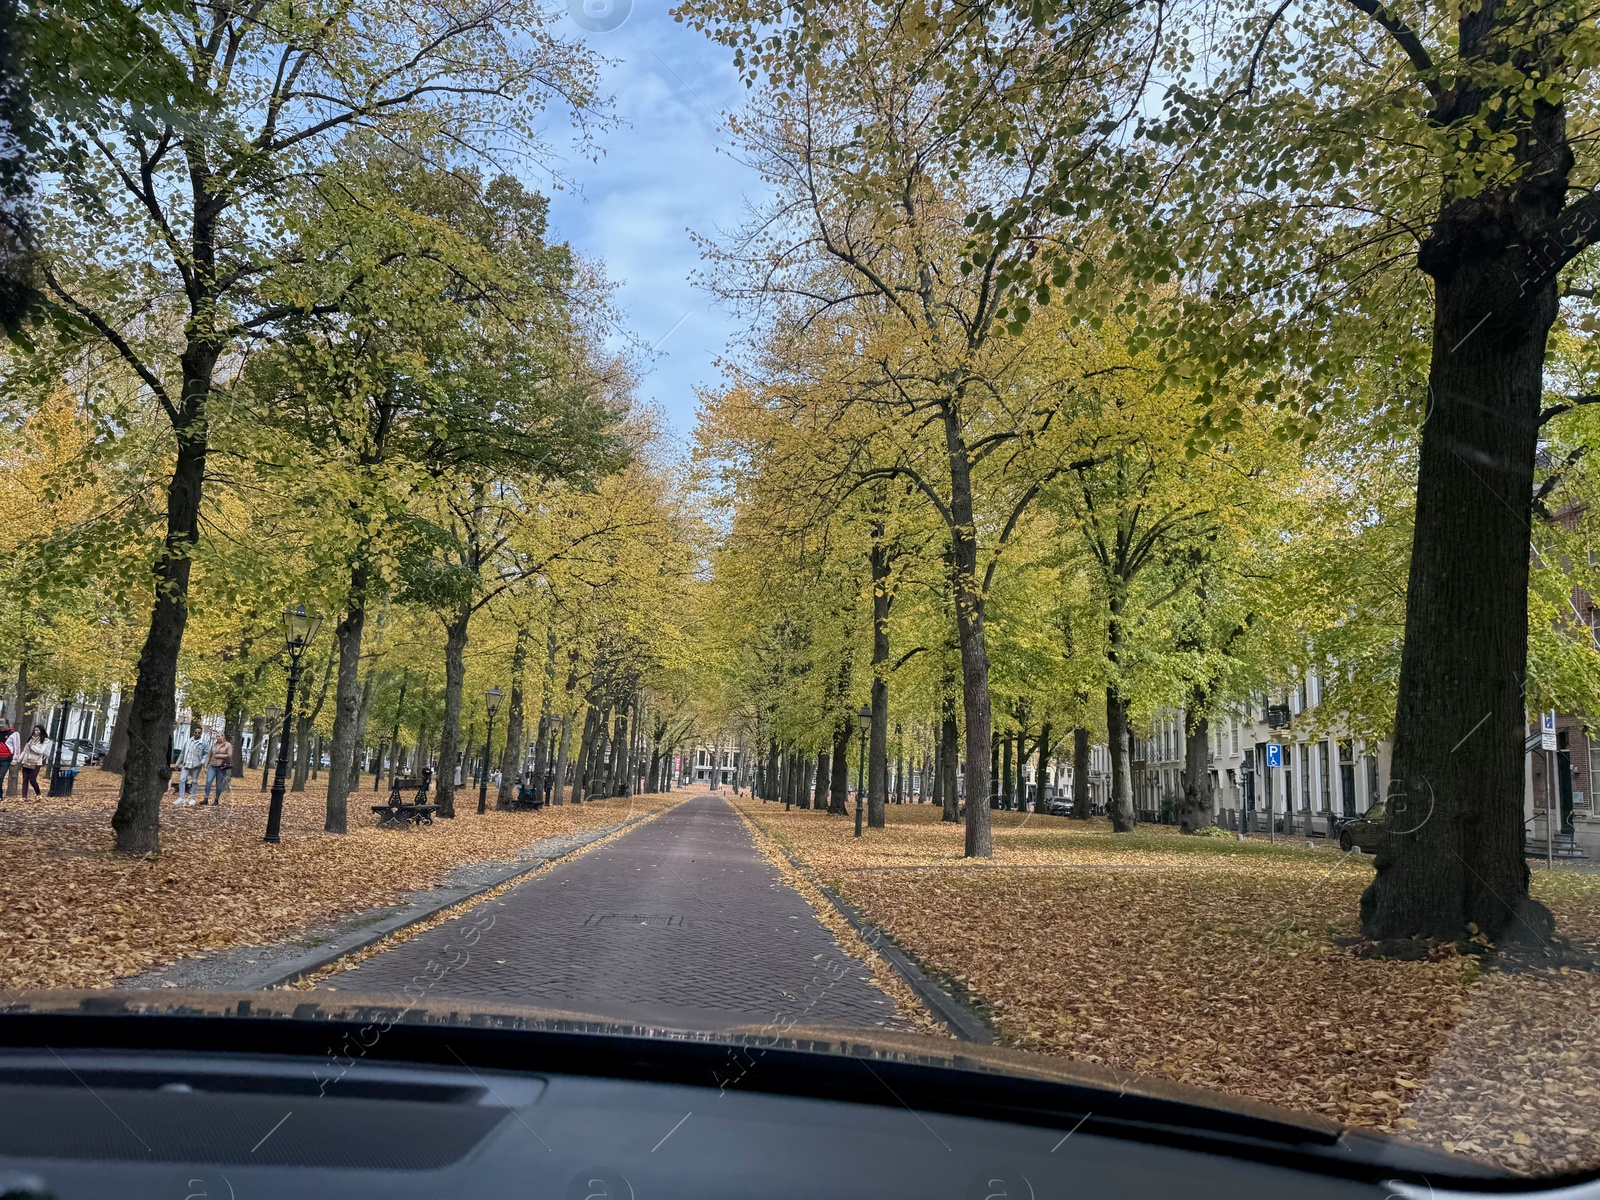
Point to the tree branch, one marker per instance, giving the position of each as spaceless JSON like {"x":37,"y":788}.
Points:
{"x":103,"y":328}
{"x":1405,"y":37}
{"x":1566,"y":406}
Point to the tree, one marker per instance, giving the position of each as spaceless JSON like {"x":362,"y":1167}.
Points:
{"x":869,"y":242}
{"x":170,"y":245}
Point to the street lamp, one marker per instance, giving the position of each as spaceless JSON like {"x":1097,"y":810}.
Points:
{"x":491,"y":702}
{"x":268,"y":720}
{"x":299,"y":627}
{"x":863,"y":723}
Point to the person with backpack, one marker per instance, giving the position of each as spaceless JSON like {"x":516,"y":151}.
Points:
{"x":8,"y":750}
{"x":32,"y":759}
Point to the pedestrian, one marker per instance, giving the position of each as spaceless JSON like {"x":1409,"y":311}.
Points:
{"x":219,"y":768}
{"x":8,"y":750}
{"x":33,"y":757}
{"x":191,"y":762}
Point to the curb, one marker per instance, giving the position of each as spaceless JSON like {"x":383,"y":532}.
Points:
{"x":352,"y":942}
{"x":955,"y":1016}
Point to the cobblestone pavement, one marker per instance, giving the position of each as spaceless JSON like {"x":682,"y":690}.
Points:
{"x":681,"y":922}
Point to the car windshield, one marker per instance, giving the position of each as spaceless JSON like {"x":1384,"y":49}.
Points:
{"x":928,"y":520}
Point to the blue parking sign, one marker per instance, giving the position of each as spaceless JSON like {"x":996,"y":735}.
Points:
{"x":1274,"y":754}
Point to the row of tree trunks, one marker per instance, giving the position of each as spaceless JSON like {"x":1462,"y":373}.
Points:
{"x":511,"y":756}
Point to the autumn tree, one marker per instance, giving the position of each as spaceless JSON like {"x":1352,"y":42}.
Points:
{"x":169,"y":242}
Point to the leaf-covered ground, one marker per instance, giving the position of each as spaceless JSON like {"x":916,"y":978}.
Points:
{"x":76,"y":915}
{"x":1221,"y":964}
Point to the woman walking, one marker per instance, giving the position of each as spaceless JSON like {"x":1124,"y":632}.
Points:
{"x":34,"y":756}
{"x":219,"y":765}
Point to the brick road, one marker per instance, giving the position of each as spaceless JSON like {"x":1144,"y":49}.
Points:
{"x":681,"y":922}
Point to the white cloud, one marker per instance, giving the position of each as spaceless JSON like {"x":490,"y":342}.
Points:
{"x":665,"y":172}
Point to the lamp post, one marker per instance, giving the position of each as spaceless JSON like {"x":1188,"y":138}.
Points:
{"x":864,"y":723}
{"x":491,"y":702}
{"x":299,"y":627}
{"x":268,"y":720}
{"x":59,"y":725}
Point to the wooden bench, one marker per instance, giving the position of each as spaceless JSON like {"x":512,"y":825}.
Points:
{"x":528,"y":797}
{"x":398,"y":811}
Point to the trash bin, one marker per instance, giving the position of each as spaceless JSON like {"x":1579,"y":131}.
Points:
{"x":61,"y":782}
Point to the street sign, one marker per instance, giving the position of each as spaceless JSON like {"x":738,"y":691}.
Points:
{"x":1547,"y":731}
{"x":1274,"y":754}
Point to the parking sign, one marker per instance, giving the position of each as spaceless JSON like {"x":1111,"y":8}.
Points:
{"x":1547,"y":731}
{"x":1274,"y":754}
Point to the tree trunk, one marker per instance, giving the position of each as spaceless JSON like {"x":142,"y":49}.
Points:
{"x":1021,"y":795}
{"x":24,"y":729}
{"x":878,"y":755}
{"x":1003,"y":745}
{"x":455,"y":670}
{"x":305,"y":764}
{"x":839,"y":786}
{"x":588,"y":746}
{"x":1119,"y":807}
{"x":1455,"y":858}
{"x":511,"y":756}
{"x":258,"y":734}
{"x":117,"y":750}
{"x":1043,"y":772}
{"x":617,"y":778}
{"x":233,"y":731}
{"x":878,"y":738}
{"x":974,"y":648}
{"x":558,"y":790}
{"x":153,"y":708}
{"x":302,"y":752}
{"x":358,"y":743}
{"x":396,"y":752}
{"x":1082,"y":801}
{"x":950,"y":755}
{"x":819,"y":797}
{"x":899,"y":766}
{"x":1195,"y":813}
{"x":346,"y":699}
{"x":595,"y":775}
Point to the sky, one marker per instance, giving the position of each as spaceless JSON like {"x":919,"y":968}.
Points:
{"x":665,"y":171}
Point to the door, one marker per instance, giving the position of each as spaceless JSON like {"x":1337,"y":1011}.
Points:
{"x":1564,"y":780}
{"x":1347,"y":778}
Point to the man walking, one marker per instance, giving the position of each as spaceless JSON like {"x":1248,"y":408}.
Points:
{"x":190,"y":763}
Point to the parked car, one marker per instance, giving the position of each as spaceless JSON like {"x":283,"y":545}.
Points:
{"x":1061,"y":806}
{"x":88,"y":752}
{"x":1367,"y":831}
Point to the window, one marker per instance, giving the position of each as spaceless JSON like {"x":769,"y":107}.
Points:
{"x":1234,"y":729}
{"x":1305,"y":778}
{"x":1327,"y":775}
